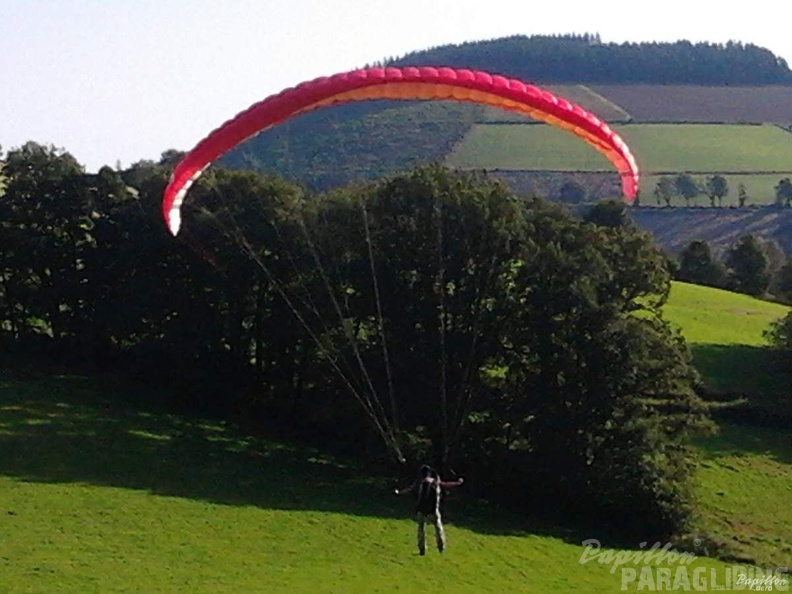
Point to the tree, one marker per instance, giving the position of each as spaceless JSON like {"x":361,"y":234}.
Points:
{"x":686,"y":187}
{"x":742,"y":196}
{"x":697,"y":265}
{"x":45,"y":211}
{"x":717,"y":188}
{"x":783,"y":192}
{"x":664,"y":190}
{"x":608,"y":213}
{"x":779,"y":335}
{"x":782,"y":283}
{"x":171,"y":157}
{"x":463,"y":322}
{"x":567,"y":383}
{"x":748,"y":266}
{"x":446,"y":248}
{"x":572,"y":192}
{"x":510,"y":338}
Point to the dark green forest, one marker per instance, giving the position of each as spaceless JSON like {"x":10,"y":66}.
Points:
{"x":586,"y":59}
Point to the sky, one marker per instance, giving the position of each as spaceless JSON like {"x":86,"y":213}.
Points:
{"x":117,"y":81}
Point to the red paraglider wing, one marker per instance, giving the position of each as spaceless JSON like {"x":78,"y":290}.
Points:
{"x":399,"y":83}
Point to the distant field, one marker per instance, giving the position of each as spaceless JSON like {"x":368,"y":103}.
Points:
{"x":676,"y":103}
{"x":709,"y":147}
{"x":757,"y":156}
{"x":690,"y":103}
{"x":525,"y":147}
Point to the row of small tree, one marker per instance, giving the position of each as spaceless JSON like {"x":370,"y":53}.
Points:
{"x":715,"y":187}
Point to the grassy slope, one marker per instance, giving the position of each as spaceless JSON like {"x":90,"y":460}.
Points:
{"x":744,"y":483}
{"x":725,"y":333}
{"x":712,"y":316}
{"x":98,"y":496}
{"x":744,"y":486}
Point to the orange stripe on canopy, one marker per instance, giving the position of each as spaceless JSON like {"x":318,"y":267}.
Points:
{"x":425,"y":83}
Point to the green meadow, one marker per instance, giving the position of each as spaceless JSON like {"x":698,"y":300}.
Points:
{"x":743,"y":488}
{"x":744,"y":482}
{"x":712,"y":316}
{"x":725,"y":332}
{"x":757,"y":156}
{"x":98,"y":496}
{"x":102,"y":491}
{"x":709,"y":147}
{"x":529,"y":147}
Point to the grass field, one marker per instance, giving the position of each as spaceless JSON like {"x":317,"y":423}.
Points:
{"x":531,"y":147}
{"x":658,"y":148}
{"x":709,"y":147}
{"x":711,"y":316}
{"x":744,"y":485}
{"x":100,"y":495}
{"x":725,"y":332}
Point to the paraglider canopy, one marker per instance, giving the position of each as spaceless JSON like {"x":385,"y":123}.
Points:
{"x":426,"y":83}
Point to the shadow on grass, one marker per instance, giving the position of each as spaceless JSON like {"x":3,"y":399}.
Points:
{"x":758,"y":377}
{"x":736,"y":440}
{"x":741,"y":369}
{"x":59,"y":430}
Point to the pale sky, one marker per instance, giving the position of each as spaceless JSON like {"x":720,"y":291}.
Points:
{"x":124,"y":80}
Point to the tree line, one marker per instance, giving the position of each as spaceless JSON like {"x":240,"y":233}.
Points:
{"x":752,"y":266}
{"x":432,"y":314}
{"x":586,"y":59}
{"x":715,"y":187}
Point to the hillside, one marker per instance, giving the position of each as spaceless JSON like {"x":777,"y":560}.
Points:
{"x":674,"y":228}
{"x":588,"y":59}
{"x":101,"y":490}
{"x":100,"y":496}
{"x":714,"y":123}
{"x":725,"y":333}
